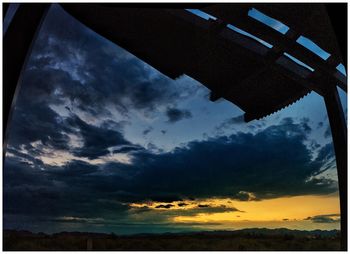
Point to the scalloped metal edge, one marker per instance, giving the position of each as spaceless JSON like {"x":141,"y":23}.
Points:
{"x":287,"y":104}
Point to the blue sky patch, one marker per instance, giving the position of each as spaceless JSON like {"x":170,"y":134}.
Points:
{"x":313,"y":47}
{"x":240,"y":31}
{"x":271,"y":22}
{"x":201,"y":14}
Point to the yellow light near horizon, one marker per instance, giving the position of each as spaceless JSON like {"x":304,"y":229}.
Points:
{"x":278,"y":209}
{"x":287,"y":212}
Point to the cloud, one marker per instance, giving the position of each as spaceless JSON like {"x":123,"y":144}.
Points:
{"x":246,"y":196}
{"x":314,"y":145}
{"x":175,"y":115}
{"x":40,"y":130}
{"x":167,"y":211}
{"x":326,"y":218}
{"x":167,"y":206}
{"x":146,"y":131}
{"x":235,"y":167}
{"x":320,"y":124}
{"x":209,"y":209}
{"x":38,"y":123}
{"x":164,"y":198}
{"x":225,"y":166}
{"x":127,"y":148}
{"x":73,"y":169}
{"x":81,"y":71}
{"x":96,"y":140}
{"x":328,"y":132}
{"x":56,"y":191}
{"x":326,"y":158}
{"x":74,"y":83}
{"x":80,"y":220}
{"x":232,"y":121}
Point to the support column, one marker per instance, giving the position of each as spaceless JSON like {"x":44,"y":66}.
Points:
{"x":17,"y":44}
{"x":339,"y":133}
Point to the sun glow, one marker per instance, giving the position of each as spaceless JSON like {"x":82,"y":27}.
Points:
{"x":290,"y":212}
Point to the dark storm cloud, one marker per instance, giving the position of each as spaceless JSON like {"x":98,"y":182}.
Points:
{"x":175,"y":114}
{"x":146,"y":131}
{"x":140,"y":209}
{"x":74,"y":168}
{"x":38,"y":123}
{"x":328,"y":132}
{"x":68,"y":190}
{"x":73,"y":68}
{"x":245,"y":196}
{"x":26,"y":189}
{"x":166,"y":211}
{"x":227,"y":166}
{"x":326,"y":153}
{"x":201,"y":206}
{"x":242,"y":166}
{"x":167,"y":206}
{"x":128,"y":148}
{"x":239,"y":166}
{"x":304,"y":122}
{"x":326,"y":218}
{"x":234,"y":120}
{"x":25,"y":156}
{"x":230,"y":123}
{"x":320,"y":125}
{"x":200,"y":209}
{"x":44,"y":125}
{"x":314,"y":145}
{"x":164,"y":198}
{"x":212,"y":209}
{"x":113,"y":125}
{"x":70,"y":62}
{"x":96,"y":140}
{"x":48,"y":81}
{"x":80,"y":220}
{"x":326,"y":157}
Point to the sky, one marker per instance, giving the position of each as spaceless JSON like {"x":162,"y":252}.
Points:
{"x":100,"y":141}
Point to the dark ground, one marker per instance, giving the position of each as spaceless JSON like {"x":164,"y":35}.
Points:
{"x":251,"y":239}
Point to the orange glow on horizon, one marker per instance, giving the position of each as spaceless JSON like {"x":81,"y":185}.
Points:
{"x":277,"y":212}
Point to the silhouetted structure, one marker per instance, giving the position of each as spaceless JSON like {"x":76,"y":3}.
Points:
{"x":259,"y":79}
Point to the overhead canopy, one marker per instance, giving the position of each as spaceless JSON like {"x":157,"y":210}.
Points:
{"x":258,"y":79}
{"x":308,"y":19}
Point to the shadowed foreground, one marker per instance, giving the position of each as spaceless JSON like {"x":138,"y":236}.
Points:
{"x":251,"y":239}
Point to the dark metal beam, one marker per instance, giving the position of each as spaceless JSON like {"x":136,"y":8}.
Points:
{"x":17,"y":43}
{"x":309,"y":19}
{"x":338,"y":14}
{"x":5,"y":7}
{"x":284,"y":43}
{"x":339,"y":134}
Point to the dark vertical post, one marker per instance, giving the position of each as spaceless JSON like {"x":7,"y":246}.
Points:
{"x":339,"y":133}
{"x":5,"y":7}
{"x":17,"y":44}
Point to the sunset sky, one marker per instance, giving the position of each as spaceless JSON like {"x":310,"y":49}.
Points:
{"x":100,"y":141}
